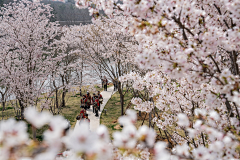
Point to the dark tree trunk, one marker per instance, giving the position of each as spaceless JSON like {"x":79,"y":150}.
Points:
{"x":3,"y":105}
{"x":63,"y":104}
{"x":120,"y":91}
{"x":63,"y":97}
{"x":34,"y":132}
{"x":56,"y":99}
{"x":150,"y":119}
{"x":22,"y":109}
{"x":122,"y":103}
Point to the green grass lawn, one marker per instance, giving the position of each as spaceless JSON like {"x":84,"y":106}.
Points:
{"x":70,"y":112}
{"x":114,"y":112}
{"x":7,"y":113}
{"x":113,"y":107}
{"x":72,"y":109}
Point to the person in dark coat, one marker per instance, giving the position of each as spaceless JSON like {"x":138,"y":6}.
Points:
{"x":105,"y":84}
{"x":96,"y":105}
{"x":100,"y":98}
{"x":80,"y":92}
{"x":83,"y":102}
{"x":102,"y":80}
{"x":89,"y":100}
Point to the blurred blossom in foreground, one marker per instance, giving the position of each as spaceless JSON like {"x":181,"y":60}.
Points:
{"x":129,"y":143}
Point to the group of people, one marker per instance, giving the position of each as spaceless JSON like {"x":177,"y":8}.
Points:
{"x":89,"y":100}
{"x":104,"y":83}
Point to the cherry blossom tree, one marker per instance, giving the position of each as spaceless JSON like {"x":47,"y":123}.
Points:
{"x":106,"y":49}
{"x":110,"y":51}
{"x":192,"y":48}
{"x":64,"y":76}
{"x":26,"y":54}
{"x":190,"y":51}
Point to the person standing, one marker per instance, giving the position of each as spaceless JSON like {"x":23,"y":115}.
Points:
{"x":100,"y":98}
{"x":102,"y":80}
{"x":80,"y":92}
{"x":105,"y":84}
{"x":96,"y":104}
{"x":93,"y":100}
{"x":83,"y":102}
{"x":89,"y":99}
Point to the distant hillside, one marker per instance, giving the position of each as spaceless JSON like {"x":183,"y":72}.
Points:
{"x":65,"y":13}
{"x":68,"y":12}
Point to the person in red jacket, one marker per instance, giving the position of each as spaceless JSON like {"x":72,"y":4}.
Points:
{"x":99,"y":95}
{"x":82,"y":114}
{"x":100,"y":99}
{"x":89,"y":99}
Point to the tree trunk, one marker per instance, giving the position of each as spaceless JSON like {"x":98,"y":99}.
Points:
{"x":2,"y":113}
{"x":150,"y":119}
{"x":122,"y":103}
{"x":81,"y":77}
{"x":3,"y":105}
{"x":63,"y":97}
{"x":81,"y":73}
{"x":34,"y":132}
{"x":64,"y":92}
{"x":22,"y":109}
{"x":56,"y":99}
{"x":120,"y":91}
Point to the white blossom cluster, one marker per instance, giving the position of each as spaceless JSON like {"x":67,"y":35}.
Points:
{"x":130,"y":143}
{"x":188,"y":51}
{"x":204,"y":125}
{"x":79,"y":143}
